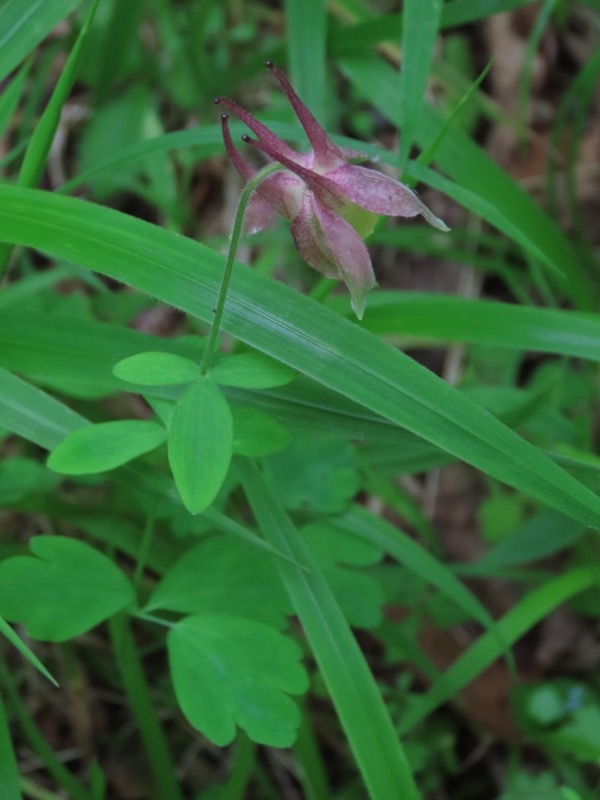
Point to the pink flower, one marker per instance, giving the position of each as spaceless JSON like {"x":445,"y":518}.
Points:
{"x":331,"y":202}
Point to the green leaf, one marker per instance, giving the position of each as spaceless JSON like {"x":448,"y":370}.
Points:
{"x":541,"y":536}
{"x":256,"y":434}
{"x":229,"y":671}
{"x":526,"y":787}
{"x":420,"y":22}
{"x":363,"y":715}
{"x":306,"y":40}
{"x":337,"y":551}
{"x":10,"y":97}
{"x":64,"y":591}
{"x":23,"y":25}
{"x":317,"y":473}
{"x":156,"y":369}
{"x":580,"y":736}
{"x":200,"y":444}
{"x":223,"y":575}
{"x":429,"y":317}
{"x":397,"y":544}
{"x":251,"y":371}
{"x":102,"y":447}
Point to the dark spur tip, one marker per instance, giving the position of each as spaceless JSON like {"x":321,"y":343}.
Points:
{"x":217,"y":100}
{"x":245,"y":137}
{"x":224,"y":117}
{"x":269,"y":64}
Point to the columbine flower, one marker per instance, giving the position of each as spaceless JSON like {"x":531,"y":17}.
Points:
{"x":332,"y":203}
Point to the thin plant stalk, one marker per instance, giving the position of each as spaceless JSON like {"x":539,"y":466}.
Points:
{"x":234,"y":242}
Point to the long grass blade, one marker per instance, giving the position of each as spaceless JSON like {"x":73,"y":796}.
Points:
{"x":306,"y":26}
{"x":293,"y":329}
{"x":520,"y":619}
{"x":353,"y":690}
{"x":420,"y":23}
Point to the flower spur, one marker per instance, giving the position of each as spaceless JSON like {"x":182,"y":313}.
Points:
{"x":332,"y":203}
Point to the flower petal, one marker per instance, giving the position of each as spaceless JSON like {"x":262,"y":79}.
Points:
{"x":259,"y":214}
{"x":245,"y":169}
{"x":326,"y":190}
{"x":283,"y":191}
{"x":263,"y":133}
{"x":326,"y":153}
{"x":331,"y":245}
{"x":381,"y":194}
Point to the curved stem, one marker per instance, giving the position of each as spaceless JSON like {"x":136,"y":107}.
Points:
{"x":236,"y":233}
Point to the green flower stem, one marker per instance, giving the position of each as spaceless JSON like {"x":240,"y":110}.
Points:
{"x":134,"y":681}
{"x":230,"y":261}
{"x":56,"y":768}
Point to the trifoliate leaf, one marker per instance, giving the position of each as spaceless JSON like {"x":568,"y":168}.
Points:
{"x":63,"y":590}
{"x":228,"y":672}
{"x":105,"y":446}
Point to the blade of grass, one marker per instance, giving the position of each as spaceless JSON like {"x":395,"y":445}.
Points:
{"x":10,"y":97}
{"x":526,"y":74}
{"x":353,"y":690}
{"x":428,"y":154}
{"x":9,"y":776}
{"x":37,"y":151}
{"x":420,"y":23}
{"x":23,"y":25}
{"x":293,"y":329}
{"x":16,"y":641}
{"x":488,"y":209}
{"x":39,"y":145}
{"x":535,"y":607}
{"x":306,"y":39}
{"x":441,"y":318}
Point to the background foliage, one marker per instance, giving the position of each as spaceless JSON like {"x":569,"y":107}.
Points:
{"x":353,"y":556}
